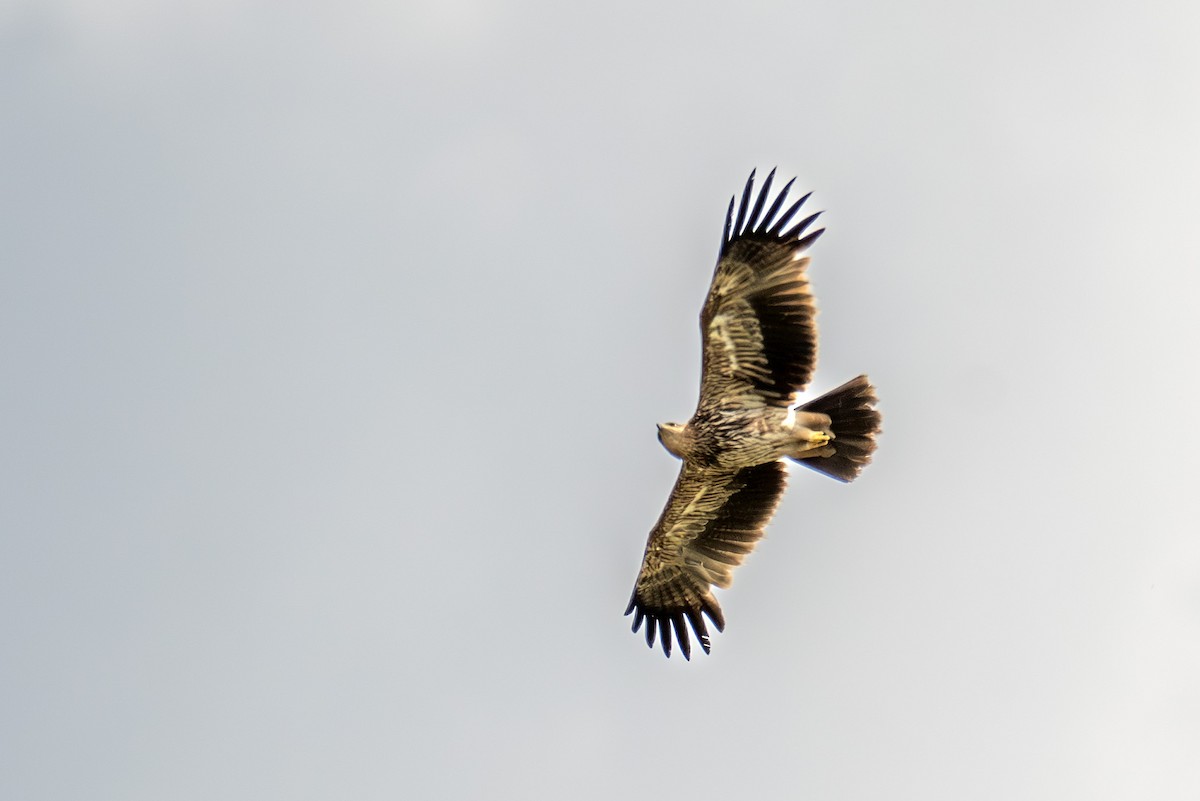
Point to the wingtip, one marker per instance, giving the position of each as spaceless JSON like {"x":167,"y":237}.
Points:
{"x":696,"y":620}
{"x":747,"y":217}
{"x":799,"y":228}
{"x":681,"y":636}
{"x":752,"y":221}
{"x":713,"y":612}
{"x":637,"y":620}
{"x":669,"y":629}
{"x":806,"y":242}
{"x":744,"y":206}
{"x":728,"y":233}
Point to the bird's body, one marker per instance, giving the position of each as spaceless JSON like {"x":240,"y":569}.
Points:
{"x":759,"y":346}
{"x":747,"y":437}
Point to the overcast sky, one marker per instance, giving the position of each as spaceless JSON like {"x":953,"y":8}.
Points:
{"x":333,"y":337}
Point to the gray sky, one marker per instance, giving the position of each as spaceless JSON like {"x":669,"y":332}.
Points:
{"x":333,"y":340}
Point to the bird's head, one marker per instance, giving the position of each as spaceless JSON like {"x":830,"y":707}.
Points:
{"x":671,"y":435}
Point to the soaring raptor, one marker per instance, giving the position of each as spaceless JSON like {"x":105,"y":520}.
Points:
{"x":760,"y":348}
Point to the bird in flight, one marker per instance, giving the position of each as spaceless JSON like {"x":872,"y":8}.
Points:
{"x":759,"y":341}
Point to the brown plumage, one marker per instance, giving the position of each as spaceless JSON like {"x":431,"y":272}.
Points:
{"x":759,"y":350}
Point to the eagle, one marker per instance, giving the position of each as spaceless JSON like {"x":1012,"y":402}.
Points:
{"x":759,"y":342}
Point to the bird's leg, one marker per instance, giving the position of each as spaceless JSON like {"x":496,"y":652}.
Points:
{"x":812,"y":427}
{"x":812,"y":435}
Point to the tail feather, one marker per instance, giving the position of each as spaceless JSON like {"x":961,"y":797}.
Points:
{"x":854,"y":423}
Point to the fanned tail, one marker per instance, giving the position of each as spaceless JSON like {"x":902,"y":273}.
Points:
{"x":854,"y":423}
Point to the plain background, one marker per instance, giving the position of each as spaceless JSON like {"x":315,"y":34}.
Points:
{"x":334,"y":337}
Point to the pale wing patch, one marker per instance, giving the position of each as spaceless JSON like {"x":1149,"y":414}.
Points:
{"x":735,"y":360}
{"x":736,"y":338}
{"x":720,"y":330}
{"x":684,"y":524}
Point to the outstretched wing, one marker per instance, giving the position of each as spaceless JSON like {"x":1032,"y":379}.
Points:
{"x":712,"y":521}
{"x":758,"y":324}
